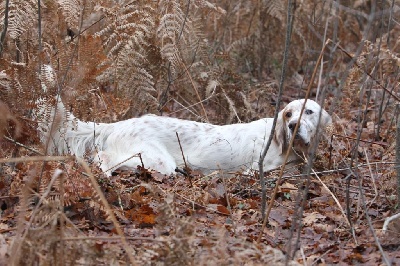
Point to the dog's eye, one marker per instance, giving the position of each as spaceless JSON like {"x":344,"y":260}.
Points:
{"x":288,"y":114}
{"x":309,"y":112}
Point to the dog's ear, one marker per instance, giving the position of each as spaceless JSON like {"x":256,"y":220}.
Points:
{"x":325,"y":119}
{"x":280,"y":133}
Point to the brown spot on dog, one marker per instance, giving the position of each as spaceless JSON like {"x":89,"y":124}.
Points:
{"x":287,"y":114}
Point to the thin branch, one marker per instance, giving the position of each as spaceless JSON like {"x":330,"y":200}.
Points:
{"x":333,"y":196}
{"x":39,"y":30}
{"x":180,"y":146}
{"x":61,"y":217}
{"x":291,"y":142}
{"x":187,"y":170}
{"x":372,"y":177}
{"x":127,"y":159}
{"x":367,"y":73}
{"x":58,"y":96}
{"x":353,"y":62}
{"x":113,"y":238}
{"x":36,"y":159}
{"x":278,"y":103}
{"x":398,"y":157}
{"x":22,"y":145}
{"x":360,"y":140}
{"x":309,"y":159}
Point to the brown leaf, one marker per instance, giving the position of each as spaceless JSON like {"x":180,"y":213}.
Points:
{"x":144,"y":216}
{"x":223,"y":209}
{"x":311,"y":218}
{"x":280,"y":216}
{"x":287,"y":187}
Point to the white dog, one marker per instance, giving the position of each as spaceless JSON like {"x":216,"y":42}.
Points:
{"x":205,"y":146}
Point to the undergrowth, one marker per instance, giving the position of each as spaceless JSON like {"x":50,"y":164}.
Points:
{"x":210,"y":61}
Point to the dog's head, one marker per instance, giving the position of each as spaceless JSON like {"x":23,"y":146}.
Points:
{"x":312,"y":117}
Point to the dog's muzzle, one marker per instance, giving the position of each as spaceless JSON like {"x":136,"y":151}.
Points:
{"x":299,"y":137}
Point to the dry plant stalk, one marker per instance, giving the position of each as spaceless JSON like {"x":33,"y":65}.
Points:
{"x":398,"y":159}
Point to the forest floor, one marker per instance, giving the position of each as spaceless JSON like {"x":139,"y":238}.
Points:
{"x":54,"y":207}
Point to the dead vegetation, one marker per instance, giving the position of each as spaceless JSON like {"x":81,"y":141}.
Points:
{"x":216,"y":61}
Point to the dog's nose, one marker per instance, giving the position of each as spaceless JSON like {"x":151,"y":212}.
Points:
{"x":292,"y":126}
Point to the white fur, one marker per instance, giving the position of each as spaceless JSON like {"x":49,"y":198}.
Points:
{"x":205,"y":146}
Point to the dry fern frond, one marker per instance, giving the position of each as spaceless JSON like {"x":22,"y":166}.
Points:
{"x":47,"y":78}
{"x":276,"y":9}
{"x":131,"y":22}
{"x":127,"y":38}
{"x":173,"y":28}
{"x":21,"y":84}
{"x":71,"y":9}
{"x":4,"y":80}
{"x":211,"y":6}
{"x":22,"y":16}
{"x":185,"y":50}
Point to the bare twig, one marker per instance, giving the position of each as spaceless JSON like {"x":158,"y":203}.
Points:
{"x":398,"y":157}
{"x":180,"y":146}
{"x":361,"y":140}
{"x":62,"y":217}
{"x":36,"y":158}
{"x":360,"y":122}
{"x":127,"y":159}
{"x":333,"y":196}
{"x":23,"y":146}
{"x":372,"y":177}
{"x":141,"y":160}
{"x":39,"y":30}
{"x":338,"y":170}
{"x":278,"y":103}
{"x":195,"y":89}
{"x":113,"y":238}
{"x":187,"y":169}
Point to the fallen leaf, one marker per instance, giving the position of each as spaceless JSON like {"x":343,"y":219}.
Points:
{"x":223,"y":209}
{"x":311,"y":218}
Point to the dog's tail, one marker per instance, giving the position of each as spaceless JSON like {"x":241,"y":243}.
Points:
{"x":62,"y":133}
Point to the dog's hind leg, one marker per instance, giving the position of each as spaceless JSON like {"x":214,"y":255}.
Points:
{"x":153,"y":158}
{"x":156,"y":157}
